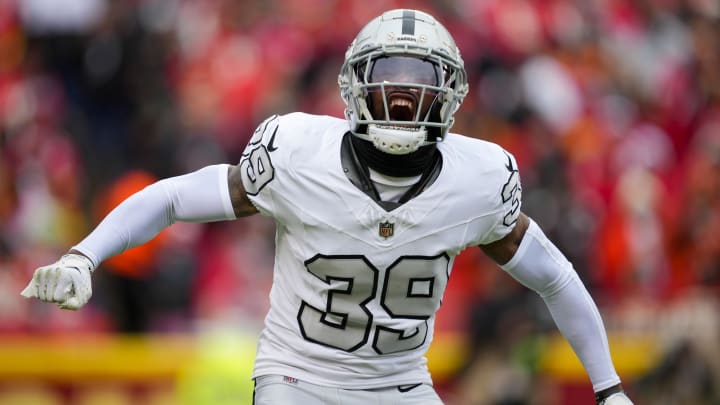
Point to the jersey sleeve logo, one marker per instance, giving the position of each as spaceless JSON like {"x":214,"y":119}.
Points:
{"x":271,"y":144}
{"x":511,"y":192}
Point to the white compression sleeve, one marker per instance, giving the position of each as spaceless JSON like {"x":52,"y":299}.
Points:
{"x":540,"y":266}
{"x":201,"y":196}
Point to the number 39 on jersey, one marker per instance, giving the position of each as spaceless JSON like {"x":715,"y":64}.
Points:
{"x":255,"y":165}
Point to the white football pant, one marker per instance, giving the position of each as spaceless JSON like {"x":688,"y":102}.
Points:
{"x":281,"y":390}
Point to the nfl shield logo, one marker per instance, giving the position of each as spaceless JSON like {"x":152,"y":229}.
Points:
{"x":386,"y":229}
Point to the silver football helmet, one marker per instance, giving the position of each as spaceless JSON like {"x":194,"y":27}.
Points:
{"x":402,"y":81}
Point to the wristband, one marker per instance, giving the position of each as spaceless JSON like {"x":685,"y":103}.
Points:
{"x":602,"y":395}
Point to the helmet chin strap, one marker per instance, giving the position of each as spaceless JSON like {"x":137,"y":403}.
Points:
{"x":395,"y":140}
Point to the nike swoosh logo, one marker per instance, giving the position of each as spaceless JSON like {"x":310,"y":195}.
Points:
{"x":509,"y":165}
{"x":406,"y":388}
{"x":271,"y":145}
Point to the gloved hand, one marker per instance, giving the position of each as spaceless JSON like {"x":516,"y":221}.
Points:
{"x":66,"y":282}
{"x":617,"y":399}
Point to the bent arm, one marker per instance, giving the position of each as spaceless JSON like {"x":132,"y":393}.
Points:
{"x":529,"y":257}
{"x":213,"y":193}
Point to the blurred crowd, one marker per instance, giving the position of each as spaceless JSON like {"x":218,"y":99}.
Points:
{"x":612,"y":108}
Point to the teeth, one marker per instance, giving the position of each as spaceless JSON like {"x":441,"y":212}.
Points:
{"x":400,"y":102}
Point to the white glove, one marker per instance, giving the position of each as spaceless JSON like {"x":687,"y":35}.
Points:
{"x":617,"y":399}
{"x":65,"y":282}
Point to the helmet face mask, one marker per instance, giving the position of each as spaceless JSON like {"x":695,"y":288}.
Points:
{"x":402,"y":81}
{"x":400,"y":90}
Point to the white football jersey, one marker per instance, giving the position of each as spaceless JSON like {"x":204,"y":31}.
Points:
{"x":356,"y":287}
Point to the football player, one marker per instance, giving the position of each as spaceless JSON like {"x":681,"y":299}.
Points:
{"x":371,"y":211}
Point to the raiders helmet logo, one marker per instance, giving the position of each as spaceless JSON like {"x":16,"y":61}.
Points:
{"x":386,"y":229}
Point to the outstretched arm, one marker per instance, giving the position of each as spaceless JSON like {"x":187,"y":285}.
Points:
{"x":213,"y":193}
{"x":529,"y":256}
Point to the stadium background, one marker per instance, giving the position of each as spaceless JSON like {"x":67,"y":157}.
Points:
{"x":612,"y":108}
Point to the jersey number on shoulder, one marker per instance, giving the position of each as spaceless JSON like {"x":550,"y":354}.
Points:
{"x":511,"y":192}
{"x":412,"y":289}
{"x":257,"y":170}
{"x":255,"y":164}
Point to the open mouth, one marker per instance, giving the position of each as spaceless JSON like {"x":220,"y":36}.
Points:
{"x":401,"y":108}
